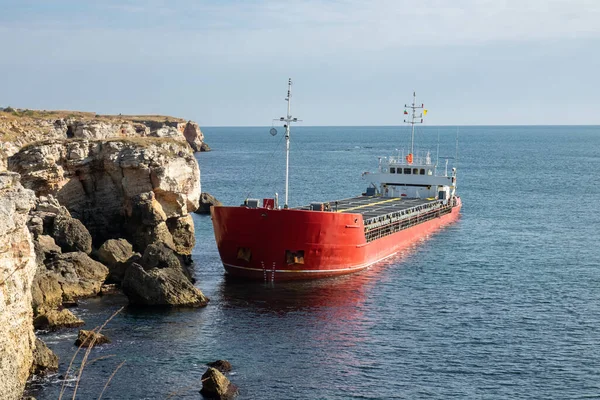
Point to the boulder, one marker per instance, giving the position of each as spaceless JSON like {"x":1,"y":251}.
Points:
{"x":115,"y":251}
{"x":90,"y":338}
{"x":117,"y":255}
{"x":182,"y":232}
{"x":222,"y":365}
{"x":215,"y":385}
{"x":207,"y":200}
{"x":204,"y":147}
{"x":55,"y":319}
{"x":159,"y":255}
{"x":71,"y":235}
{"x":44,"y":359}
{"x":77,"y":274}
{"x":161,"y":286}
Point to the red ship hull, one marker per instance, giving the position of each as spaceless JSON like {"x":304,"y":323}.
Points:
{"x":259,"y":243}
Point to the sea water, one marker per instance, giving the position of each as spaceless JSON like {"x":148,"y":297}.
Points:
{"x":505,"y":303}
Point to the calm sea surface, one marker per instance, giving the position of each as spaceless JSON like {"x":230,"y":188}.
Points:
{"x":503,"y":304}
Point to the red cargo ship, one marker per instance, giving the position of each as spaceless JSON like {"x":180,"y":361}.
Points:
{"x":406,"y":200}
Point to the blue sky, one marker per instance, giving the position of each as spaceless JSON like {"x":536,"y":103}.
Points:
{"x":226,"y":63}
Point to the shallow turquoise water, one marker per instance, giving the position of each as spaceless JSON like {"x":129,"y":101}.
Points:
{"x":503,"y":304}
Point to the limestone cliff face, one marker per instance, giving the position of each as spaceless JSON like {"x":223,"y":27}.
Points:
{"x":17,"y":269}
{"x":17,"y":130}
{"x":138,"y":189}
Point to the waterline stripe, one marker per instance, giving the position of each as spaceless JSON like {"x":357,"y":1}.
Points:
{"x":361,"y":266}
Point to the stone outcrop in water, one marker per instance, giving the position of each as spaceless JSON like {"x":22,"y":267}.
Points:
{"x":140,"y":190}
{"x":17,"y":268}
{"x":206,"y":201}
{"x":215,"y":385}
{"x":18,"y":128}
{"x":161,"y":280}
{"x":90,"y":339}
{"x":44,"y":359}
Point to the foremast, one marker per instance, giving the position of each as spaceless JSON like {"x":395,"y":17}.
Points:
{"x":288,"y":119}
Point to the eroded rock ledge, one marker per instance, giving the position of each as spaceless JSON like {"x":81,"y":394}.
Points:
{"x":138,"y":189}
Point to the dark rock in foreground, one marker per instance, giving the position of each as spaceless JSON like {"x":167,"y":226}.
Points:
{"x":90,"y":338}
{"x":161,"y":286}
{"x":216,"y":386}
{"x":206,"y":200}
{"x":44,"y":359}
{"x":221,"y":365}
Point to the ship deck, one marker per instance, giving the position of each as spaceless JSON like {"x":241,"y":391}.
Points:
{"x":373,"y":206}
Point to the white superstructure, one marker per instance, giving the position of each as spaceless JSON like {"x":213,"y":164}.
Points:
{"x":412,"y":175}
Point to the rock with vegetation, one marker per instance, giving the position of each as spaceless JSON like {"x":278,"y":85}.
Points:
{"x":215,"y":385}
{"x":17,"y":269}
{"x":44,"y":359}
{"x":206,"y":201}
{"x":90,"y":338}
{"x":132,"y":187}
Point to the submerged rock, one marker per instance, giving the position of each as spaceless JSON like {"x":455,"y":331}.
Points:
{"x":206,"y":200}
{"x":215,"y":385}
{"x":44,"y":359}
{"x":90,"y":338}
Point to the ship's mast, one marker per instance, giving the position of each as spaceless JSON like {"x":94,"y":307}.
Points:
{"x":288,"y":121}
{"x":414,"y":119}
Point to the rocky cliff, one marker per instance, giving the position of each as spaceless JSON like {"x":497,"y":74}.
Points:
{"x":18,"y":128}
{"x":17,"y":269}
{"x":139,"y":189}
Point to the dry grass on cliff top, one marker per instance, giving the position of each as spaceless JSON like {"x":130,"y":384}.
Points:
{"x":17,"y":113}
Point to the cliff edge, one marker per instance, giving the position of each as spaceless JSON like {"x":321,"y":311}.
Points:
{"x":20,"y":127}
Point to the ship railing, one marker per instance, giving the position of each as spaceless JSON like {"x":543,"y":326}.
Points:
{"x":389,"y":225}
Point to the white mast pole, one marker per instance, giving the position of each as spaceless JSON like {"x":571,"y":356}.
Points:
{"x":287,"y":141}
{"x":412,"y":122}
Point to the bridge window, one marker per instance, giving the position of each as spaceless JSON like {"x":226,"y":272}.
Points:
{"x":392,"y":170}
{"x":416,"y":171}
{"x":429,"y":172}
{"x":399,"y":171}
{"x":422,"y":171}
{"x":407,"y":171}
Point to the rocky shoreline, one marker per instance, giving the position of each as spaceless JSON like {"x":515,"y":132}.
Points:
{"x":90,"y":204}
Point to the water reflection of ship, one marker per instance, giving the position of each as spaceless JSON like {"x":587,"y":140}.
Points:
{"x":336,"y":297}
